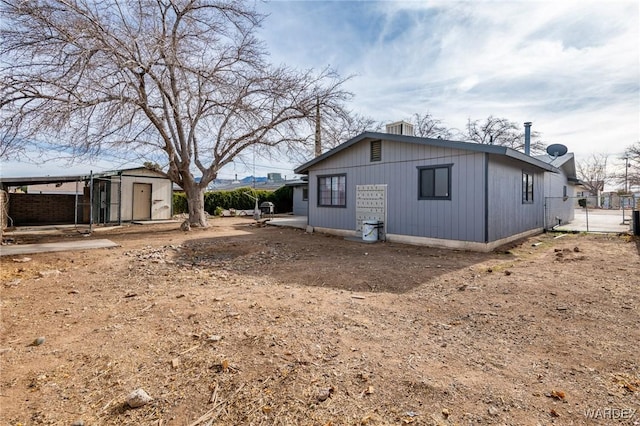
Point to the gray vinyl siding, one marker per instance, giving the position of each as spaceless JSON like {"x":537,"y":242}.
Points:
{"x":556,"y":206}
{"x":461,"y":218}
{"x":507,"y":214}
{"x":300,"y":206}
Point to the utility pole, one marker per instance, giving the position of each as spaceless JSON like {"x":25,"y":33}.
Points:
{"x":626,"y":174}
{"x":318,"y":142}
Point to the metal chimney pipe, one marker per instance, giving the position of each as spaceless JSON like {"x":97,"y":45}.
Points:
{"x":527,"y":138}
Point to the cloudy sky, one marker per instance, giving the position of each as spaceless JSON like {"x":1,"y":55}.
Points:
{"x":570,"y":67}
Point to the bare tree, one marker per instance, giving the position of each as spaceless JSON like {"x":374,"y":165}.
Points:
{"x":501,"y":131}
{"x":338,"y":128}
{"x":629,"y":178}
{"x":426,"y":126}
{"x":593,"y":173}
{"x":184,"y":78}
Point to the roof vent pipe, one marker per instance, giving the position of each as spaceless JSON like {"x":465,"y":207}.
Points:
{"x":527,"y":138}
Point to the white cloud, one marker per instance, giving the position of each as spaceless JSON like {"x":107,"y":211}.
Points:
{"x":571,"y":67}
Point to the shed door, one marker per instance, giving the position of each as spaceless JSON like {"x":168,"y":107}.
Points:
{"x":141,"y":201}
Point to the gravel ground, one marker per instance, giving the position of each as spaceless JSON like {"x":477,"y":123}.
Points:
{"x":239,"y":324}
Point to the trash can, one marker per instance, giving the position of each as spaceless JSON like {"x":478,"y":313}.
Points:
{"x":636,"y":222}
{"x":370,"y":230}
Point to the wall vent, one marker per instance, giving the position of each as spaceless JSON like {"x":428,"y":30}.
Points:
{"x":376,"y":150}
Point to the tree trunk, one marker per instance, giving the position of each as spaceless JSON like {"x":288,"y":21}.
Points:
{"x":195,"y":201}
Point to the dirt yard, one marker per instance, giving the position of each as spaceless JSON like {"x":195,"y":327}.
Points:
{"x":245,"y":325}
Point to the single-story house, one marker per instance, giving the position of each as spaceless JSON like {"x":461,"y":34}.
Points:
{"x":434,"y":192}
{"x":137,"y":194}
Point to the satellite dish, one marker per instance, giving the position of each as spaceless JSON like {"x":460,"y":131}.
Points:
{"x":556,"y":150}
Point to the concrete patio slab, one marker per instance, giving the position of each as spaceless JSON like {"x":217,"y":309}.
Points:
{"x":299,"y":222}
{"x":18,"y":249}
{"x":606,"y":221}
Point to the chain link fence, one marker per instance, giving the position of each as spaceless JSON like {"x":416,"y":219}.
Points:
{"x":611,"y":213}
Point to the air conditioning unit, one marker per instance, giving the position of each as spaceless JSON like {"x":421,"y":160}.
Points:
{"x":400,"y":128}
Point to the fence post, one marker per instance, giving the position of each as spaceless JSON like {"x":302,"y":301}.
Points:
{"x":586,"y":212}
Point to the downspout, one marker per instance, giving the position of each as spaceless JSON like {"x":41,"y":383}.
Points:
{"x":120,"y":198}
{"x":486,"y":198}
{"x":308,"y":198}
{"x":75,"y":215}
{"x":90,"y":201}
{"x":171,"y":195}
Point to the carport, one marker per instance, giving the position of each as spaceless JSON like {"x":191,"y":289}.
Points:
{"x":21,"y":207}
{"x":98,"y":198}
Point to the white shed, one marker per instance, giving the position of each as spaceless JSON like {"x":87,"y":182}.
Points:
{"x":138,"y":194}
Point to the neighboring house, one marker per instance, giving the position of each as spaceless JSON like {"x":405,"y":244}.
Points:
{"x":137,"y":194}
{"x":431,"y":191}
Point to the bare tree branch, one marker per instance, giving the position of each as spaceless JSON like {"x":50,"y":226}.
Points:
{"x":628,"y":177}
{"x":593,"y":172}
{"x":427,"y":126}
{"x":502,"y":132}
{"x":186,"y":78}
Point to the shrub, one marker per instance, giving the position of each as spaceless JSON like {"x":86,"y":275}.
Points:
{"x":180,"y":203}
{"x":282,"y":198}
{"x":216,"y":201}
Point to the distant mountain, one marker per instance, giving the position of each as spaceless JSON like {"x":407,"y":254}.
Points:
{"x":249,"y":179}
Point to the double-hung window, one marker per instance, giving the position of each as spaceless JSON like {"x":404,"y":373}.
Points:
{"x":434,"y":182}
{"x":332,"y":191}
{"x":527,"y":188}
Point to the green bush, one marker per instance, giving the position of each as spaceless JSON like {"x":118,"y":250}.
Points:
{"x":180,"y":203}
{"x":216,"y":201}
{"x":282,"y":198}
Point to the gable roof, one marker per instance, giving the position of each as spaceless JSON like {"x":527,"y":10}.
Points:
{"x":565,"y":162}
{"x":441,"y":143}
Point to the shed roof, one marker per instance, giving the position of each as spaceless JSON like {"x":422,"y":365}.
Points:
{"x":38,"y":180}
{"x":467,"y":146}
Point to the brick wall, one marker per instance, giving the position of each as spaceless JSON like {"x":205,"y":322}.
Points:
{"x":41,"y":209}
